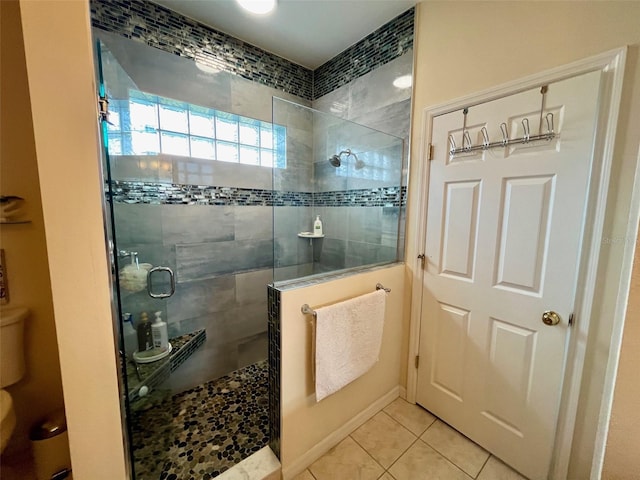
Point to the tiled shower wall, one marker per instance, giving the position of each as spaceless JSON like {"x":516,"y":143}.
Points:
{"x":390,"y":41}
{"x":372,"y":233}
{"x":222,"y":268}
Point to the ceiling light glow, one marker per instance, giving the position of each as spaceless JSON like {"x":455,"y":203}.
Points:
{"x":259,"y":7}
{"x":206,"y":68}
{"x":405,"y":81}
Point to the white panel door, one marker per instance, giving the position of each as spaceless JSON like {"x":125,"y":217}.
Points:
{"x":504,"y":233}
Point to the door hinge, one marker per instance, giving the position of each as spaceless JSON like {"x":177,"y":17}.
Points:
{"x":417,"y":361}
{"x":571,"y":318}
{"x":103,"y":108}
{"x":430,"y":152}
{"x":422,"y":258}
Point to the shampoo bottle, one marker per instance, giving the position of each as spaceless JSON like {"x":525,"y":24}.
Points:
{"x":145,"y":341}
{"x":317,"y":227}
{"x":159,"y":333}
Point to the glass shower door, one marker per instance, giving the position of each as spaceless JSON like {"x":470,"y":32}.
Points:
{"x":143,"y":267}
{"x":189,"y":188}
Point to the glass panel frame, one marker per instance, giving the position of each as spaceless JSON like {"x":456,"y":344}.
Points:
{"x":360,"y":202}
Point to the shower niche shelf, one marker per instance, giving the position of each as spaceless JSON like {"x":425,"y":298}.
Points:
{"x":310,"y":236}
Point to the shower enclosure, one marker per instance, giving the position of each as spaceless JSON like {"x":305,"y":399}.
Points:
{"x":209,"y":199}
{"x":193,"y":246}
{"x":349,"y":176}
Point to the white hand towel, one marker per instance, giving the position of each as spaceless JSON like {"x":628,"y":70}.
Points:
{"x":348,"y":339}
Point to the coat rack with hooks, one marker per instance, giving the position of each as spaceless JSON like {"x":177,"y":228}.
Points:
{"x":467,"y":144}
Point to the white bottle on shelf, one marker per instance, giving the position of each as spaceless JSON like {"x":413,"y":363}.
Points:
{"x":159,"y":333}
{"x":317,"y":227}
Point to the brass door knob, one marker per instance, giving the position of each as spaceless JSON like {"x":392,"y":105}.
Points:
{"x":550,"y":318}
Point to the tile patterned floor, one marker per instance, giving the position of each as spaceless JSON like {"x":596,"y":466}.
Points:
{"x":199,"y":433}
{"x":406,"y":442}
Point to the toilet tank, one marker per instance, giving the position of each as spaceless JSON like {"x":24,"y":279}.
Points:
{"x":12,"y":365}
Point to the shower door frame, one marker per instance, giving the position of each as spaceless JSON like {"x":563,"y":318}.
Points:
{"x":114,"y":287}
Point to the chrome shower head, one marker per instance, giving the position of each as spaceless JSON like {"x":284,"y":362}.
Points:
{"x":336,"y":160}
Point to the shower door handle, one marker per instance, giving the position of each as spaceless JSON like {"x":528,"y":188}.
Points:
{"x":172,"y":279}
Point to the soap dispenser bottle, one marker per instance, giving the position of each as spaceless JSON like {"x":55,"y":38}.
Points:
{"x":145,"y":341}
{"x":159,"y":333}
{"x":317,"y":227}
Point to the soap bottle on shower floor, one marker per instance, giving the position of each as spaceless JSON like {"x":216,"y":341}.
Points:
{"x":317,"y":227}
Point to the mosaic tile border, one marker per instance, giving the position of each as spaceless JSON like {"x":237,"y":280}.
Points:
{"x":383,"y":45}
{"x":365,"y":197}
{"x":167,"y":30}
{"x":176,"y":194}
{"x":273,"y":329}
{"x":180,"y":194}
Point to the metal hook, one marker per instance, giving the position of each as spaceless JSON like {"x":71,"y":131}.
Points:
{"x":525,"y":128}
{"x":466,"y":141}
{"x":549,"y":118}
{"x":505,"y":133}
{"x":466,"y":138}
{"x":452,"y":142}
{"x":485,"y":138}
{"x":543,"y":91}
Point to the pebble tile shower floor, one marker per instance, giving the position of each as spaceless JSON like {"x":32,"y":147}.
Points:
{"x":199,"y":433}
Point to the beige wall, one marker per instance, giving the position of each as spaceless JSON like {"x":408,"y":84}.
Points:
{"x":306,"y":423}
{"x":40,"y":391}
{"x":622,"y":461}
{"x":59,"y":63}
{"x":461,"y":48}
{"x":465,"y":47}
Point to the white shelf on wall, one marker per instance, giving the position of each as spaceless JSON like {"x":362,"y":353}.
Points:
{"x":310,"y":236}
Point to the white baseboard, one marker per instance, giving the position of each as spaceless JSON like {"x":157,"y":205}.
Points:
{"x":331,"y":440}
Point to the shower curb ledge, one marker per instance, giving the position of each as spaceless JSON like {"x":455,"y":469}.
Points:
{"x":262,"y":465}
{"x":286,"y":285}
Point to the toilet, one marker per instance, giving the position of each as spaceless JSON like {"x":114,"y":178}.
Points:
{"x":12,"y":365}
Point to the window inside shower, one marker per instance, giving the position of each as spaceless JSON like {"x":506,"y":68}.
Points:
{"x":146,"y":124}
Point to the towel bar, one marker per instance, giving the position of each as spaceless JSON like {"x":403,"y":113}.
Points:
{"x":307,"y":310}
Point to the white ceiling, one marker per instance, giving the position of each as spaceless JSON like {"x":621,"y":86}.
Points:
{"x":307,"y":32}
